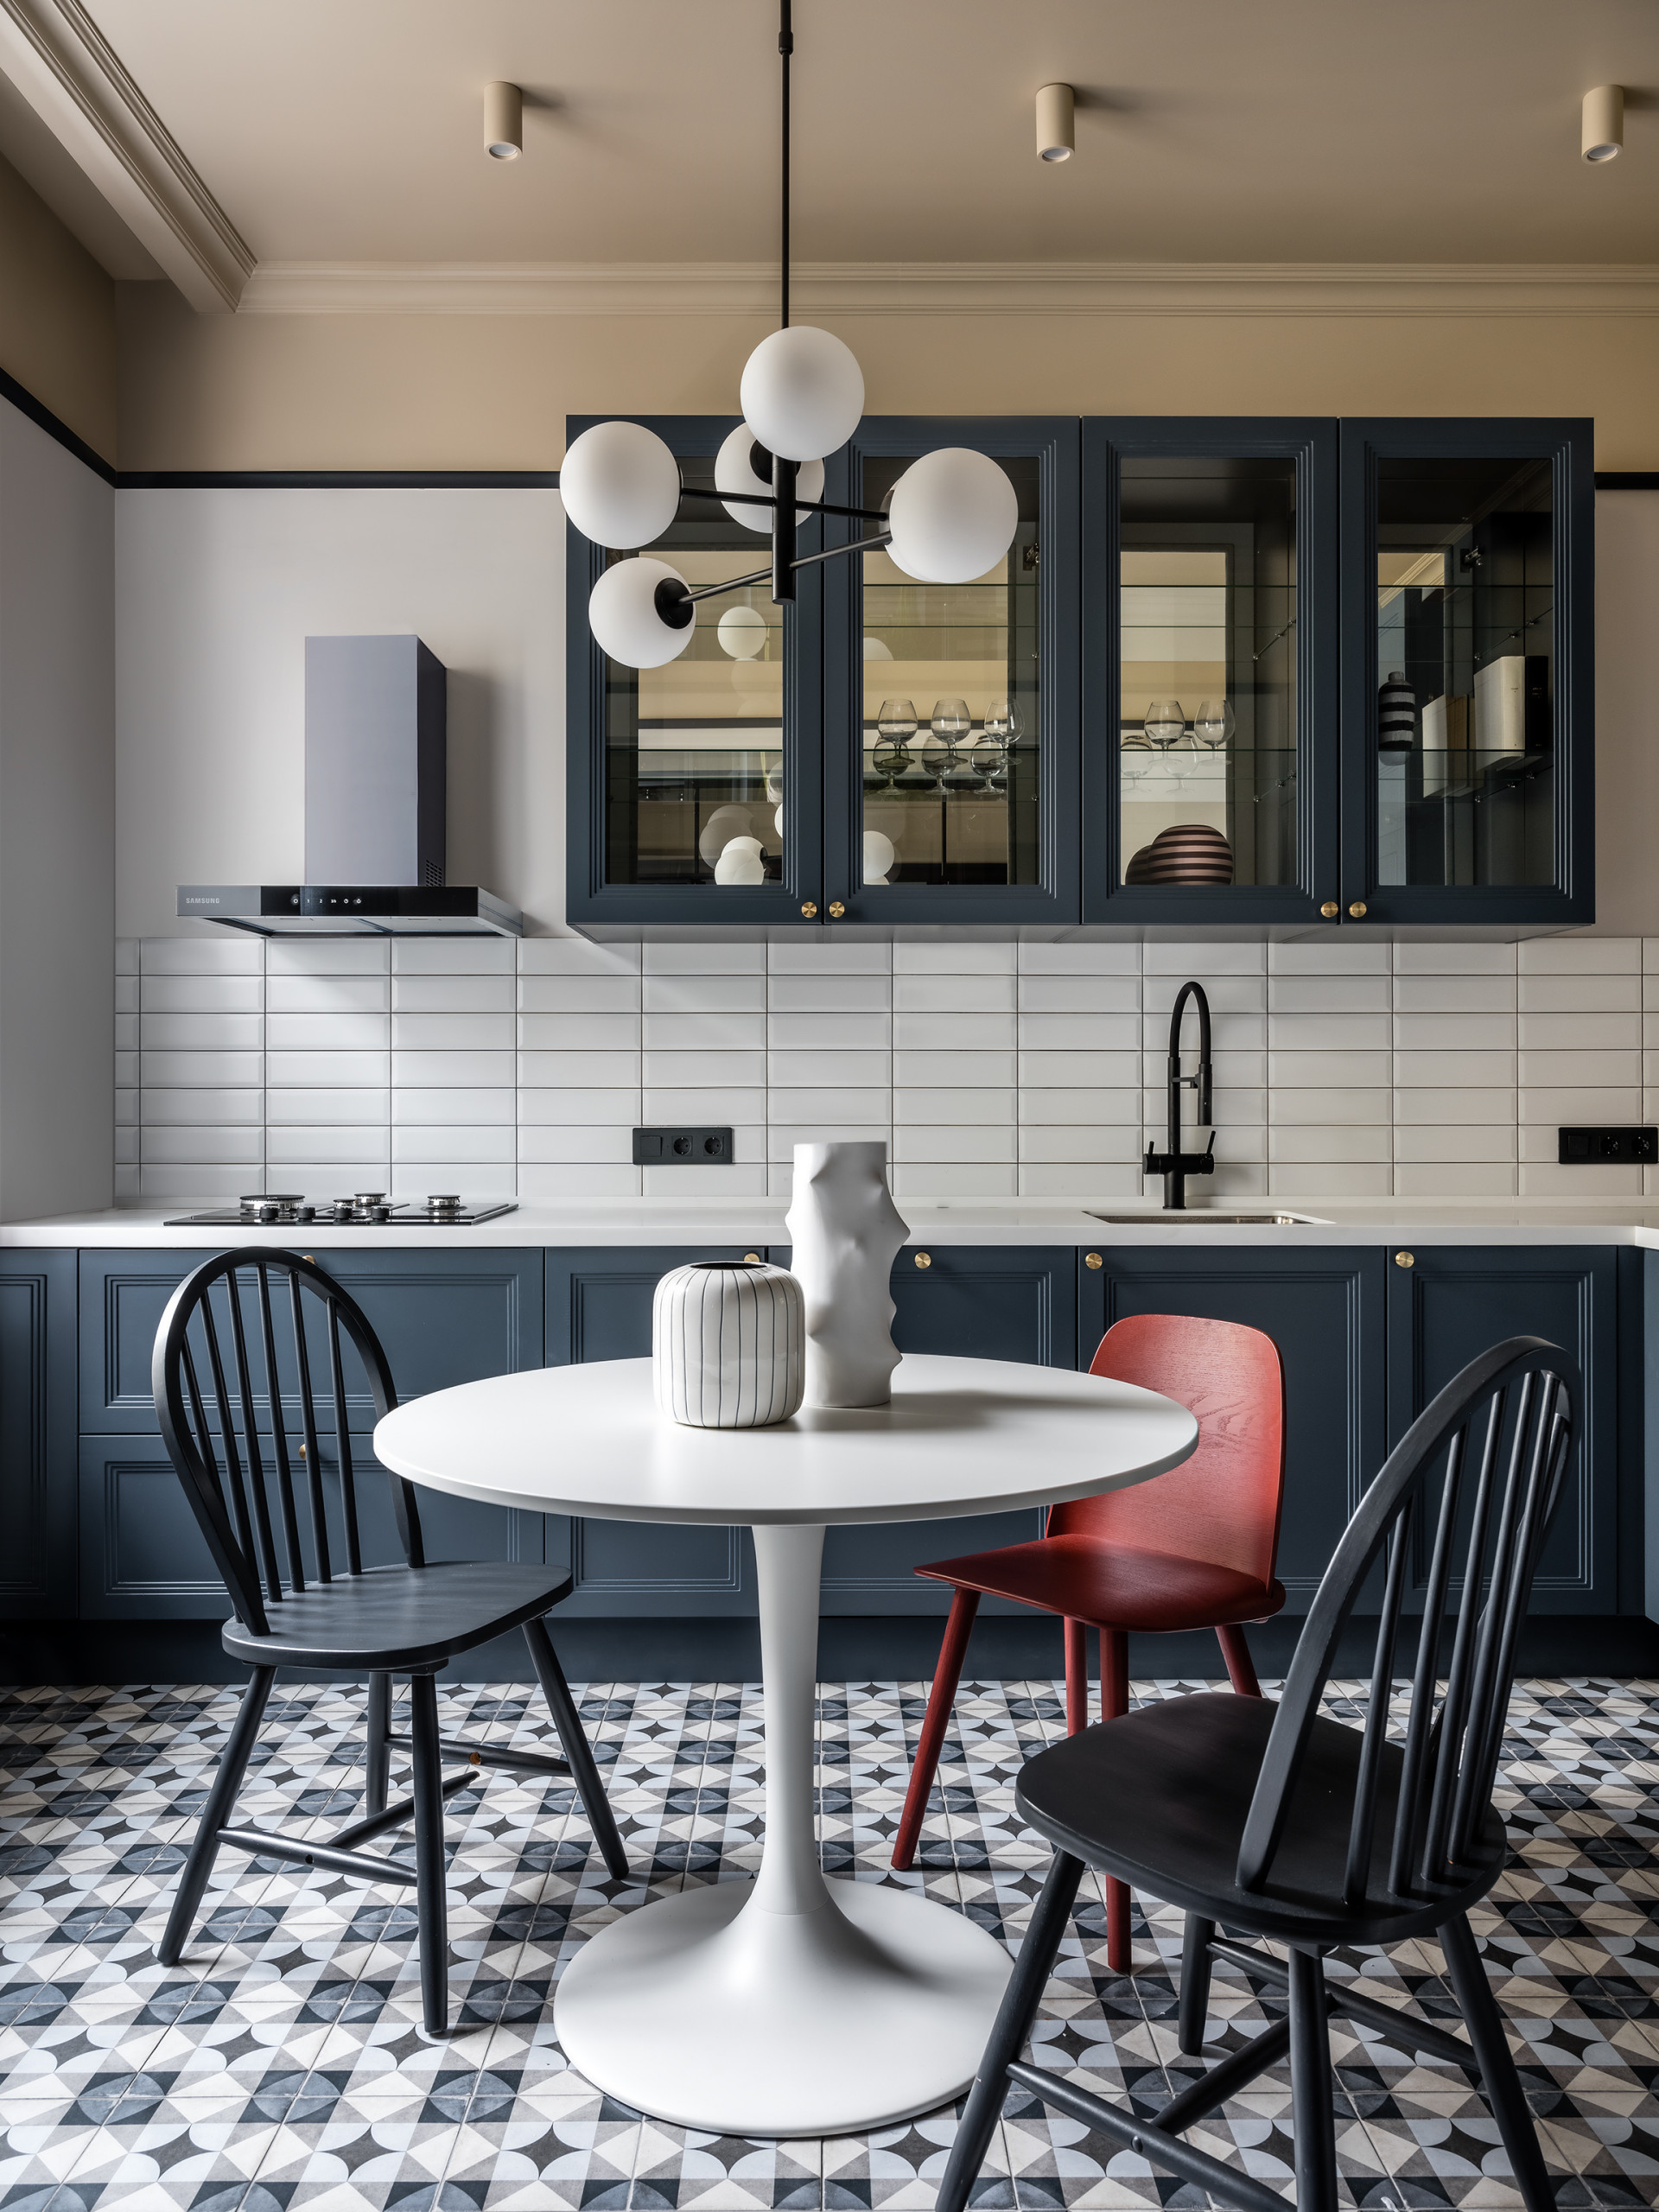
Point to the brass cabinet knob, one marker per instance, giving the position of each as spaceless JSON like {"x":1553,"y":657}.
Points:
{"x":752,"y":1258}
{"x":809,"y":909}
{"x":836,"y":910}
{"x":1330,"y":910}
{"x":1405,"y":1259}
{"x":1357,"y":910}
{"x":1093,"y":1260}
{"x":924,"y":1259}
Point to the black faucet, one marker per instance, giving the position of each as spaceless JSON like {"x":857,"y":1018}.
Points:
{"x":1174,"y":1165}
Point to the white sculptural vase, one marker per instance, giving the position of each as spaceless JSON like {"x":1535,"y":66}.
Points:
{"x":728,"y":1344}
{"x":846,"y":1233}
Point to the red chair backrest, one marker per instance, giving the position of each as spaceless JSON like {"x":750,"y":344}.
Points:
{"x":1222,"y":1504}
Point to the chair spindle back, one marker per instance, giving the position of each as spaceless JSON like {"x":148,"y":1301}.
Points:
{"x":231,"y":1441}
{"x":1517,"y":1404}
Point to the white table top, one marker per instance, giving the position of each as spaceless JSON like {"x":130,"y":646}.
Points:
{"x":960,"y":1436}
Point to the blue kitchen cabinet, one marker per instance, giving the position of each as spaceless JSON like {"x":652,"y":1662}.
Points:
{"x":1450,"y":1303}
{"x":444,"y":1317}
{"x":37,"y":1432}
{"x":1325,"y":1308}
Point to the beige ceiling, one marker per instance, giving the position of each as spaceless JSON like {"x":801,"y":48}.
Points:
{"x":1275,"y":130}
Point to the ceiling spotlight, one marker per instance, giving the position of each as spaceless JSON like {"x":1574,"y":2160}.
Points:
{"x":1604,"y":124}
{"x":1056,"y":130}
{"x":504,"y":122}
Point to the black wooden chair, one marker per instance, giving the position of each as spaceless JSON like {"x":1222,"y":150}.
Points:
{"x":1274,"y":1821}
{"x":228,"y":1424}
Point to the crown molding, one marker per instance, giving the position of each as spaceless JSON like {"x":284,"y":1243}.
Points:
{"x":1347,"y":289}
{"x":62,"y":65}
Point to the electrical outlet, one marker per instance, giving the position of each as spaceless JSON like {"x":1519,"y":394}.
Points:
{"x":1608,"y":1148}
{"x":682,"y":1148}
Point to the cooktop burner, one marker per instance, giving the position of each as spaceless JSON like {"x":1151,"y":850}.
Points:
{"x":366,"y":1210}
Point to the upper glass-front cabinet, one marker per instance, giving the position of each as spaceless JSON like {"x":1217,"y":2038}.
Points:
{"x":950,"y":709}
{"x":680,"y":776}
{"x":1468,"y":629}
{"x":1210,"y":671}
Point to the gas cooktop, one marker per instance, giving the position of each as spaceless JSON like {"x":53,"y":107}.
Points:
{"x":365,"y":1210}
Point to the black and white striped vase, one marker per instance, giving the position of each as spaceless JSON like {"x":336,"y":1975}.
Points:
{"x":728,"y":1341}
{"x":1396,"y":714}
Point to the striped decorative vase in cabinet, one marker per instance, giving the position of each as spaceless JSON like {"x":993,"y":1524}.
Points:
{"x":728,"y":1342}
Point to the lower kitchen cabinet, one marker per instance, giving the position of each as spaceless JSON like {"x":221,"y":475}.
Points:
{"x":1449,"y":1304}
{"x":37,"y":1434}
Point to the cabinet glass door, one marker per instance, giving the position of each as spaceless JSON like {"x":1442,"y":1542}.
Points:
{"x":1209,"y":549}
{"x":950,"y":709}
{"x":1463,"y":718}
{"x":682,"y":775}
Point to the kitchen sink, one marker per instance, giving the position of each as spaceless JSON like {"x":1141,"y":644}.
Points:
{"x":1197,"y":1215}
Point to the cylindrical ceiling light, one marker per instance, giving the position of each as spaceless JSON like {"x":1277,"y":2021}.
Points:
{"x":504,"y":122}
{"x":1604,"y":124}
{"x":1056,"y":125}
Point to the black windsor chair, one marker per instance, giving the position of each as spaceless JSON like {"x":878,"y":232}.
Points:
{"x":1272,"y":1821}
{"x":227,"y":1440}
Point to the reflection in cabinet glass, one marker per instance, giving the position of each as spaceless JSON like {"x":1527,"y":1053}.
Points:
{"x":694,"y":750}
{"x":1466,"y":767}
{"x":1208,"y":669}
{"x":951,"y":709}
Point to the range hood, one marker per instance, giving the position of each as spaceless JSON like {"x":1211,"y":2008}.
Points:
{"x":375,"y":767}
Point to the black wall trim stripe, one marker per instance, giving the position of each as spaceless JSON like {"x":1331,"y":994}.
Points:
{"x":1627,"y":479}
{"x":44,"y":419}
{"x":337,"y":479}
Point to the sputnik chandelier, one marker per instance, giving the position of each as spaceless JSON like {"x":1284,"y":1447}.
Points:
{"x":951,"y":515}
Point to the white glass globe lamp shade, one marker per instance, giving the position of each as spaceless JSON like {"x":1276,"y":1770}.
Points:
{"x":620,"y":486}
{"x":953,"y":514}
{"x":718,"y":831}
{"x":741,"y":465}
{"x":876,"y":648}
{"x":742,"y":632}
{"x":878,"y":856}
{"x":802,"y":392}
{"x":627,"y":612}
{"x":740,"y":862}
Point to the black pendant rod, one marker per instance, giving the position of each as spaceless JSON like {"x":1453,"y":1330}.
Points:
{"x":785,"y":47}
{"x":806,"y":560}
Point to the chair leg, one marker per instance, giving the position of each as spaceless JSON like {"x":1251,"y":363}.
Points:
{"x":233,"y":1765}
{"x":1077,"y":1679}
{"x":1013,"y":2024}
{"x":1311,"y":2119}
{"x":1114,"y":1704}
{"x":376,"y":1757}
{"x":1195,"y":1983}
{"x":578,"y":1752}
{"x":964,"y":1604}
{"x":431,"y":1870}
{"x":1240,"y":1668}
{"x":1497,"y":2071}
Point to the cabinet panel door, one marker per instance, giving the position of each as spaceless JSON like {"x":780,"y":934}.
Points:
{"x":1210,"y":773}
{"x":599,"y":1307}
{"x":143,"y":1557}
{"x":974,"y":1303}
{"x":122,"y":1297}
{"x":1325,"y":1312}
{"x":1453,"y":1304}
{"x":37,"y":1434}
{"x":1468,"y":627}
{"x":665,"y":766}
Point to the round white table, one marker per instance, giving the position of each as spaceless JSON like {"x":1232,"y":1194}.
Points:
{"x":791,"y":2005}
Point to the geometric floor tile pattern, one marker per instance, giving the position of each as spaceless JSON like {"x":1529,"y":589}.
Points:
{"x":281,"y":2063}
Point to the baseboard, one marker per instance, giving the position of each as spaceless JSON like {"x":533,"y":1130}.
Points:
{"x":888,"y":1649}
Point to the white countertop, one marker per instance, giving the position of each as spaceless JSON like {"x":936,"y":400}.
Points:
{"x":757,"y":1222}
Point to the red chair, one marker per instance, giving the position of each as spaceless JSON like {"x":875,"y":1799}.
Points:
{"x":1193,"y":1548}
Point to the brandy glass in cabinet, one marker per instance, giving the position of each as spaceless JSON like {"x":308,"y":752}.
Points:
{"x":680,"y":777}
{"x":950,"y":710}
{"x":1467,"y":718}
{"x":1209,"y":648}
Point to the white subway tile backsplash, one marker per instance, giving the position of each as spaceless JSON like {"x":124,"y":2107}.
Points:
{"x":1342,"y":1067}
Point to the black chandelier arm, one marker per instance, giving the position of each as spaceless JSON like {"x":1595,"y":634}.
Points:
{"x":763,"y":575}
{"x":767,"y":499}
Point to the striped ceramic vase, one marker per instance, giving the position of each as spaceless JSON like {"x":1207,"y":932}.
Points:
{"x":729,"y":1344}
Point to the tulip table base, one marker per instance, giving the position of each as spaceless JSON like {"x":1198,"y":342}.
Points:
{"x":787,"y":2005}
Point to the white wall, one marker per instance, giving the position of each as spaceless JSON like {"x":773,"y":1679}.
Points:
{"x":218,"y":592}
{"x":57,"y":824}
